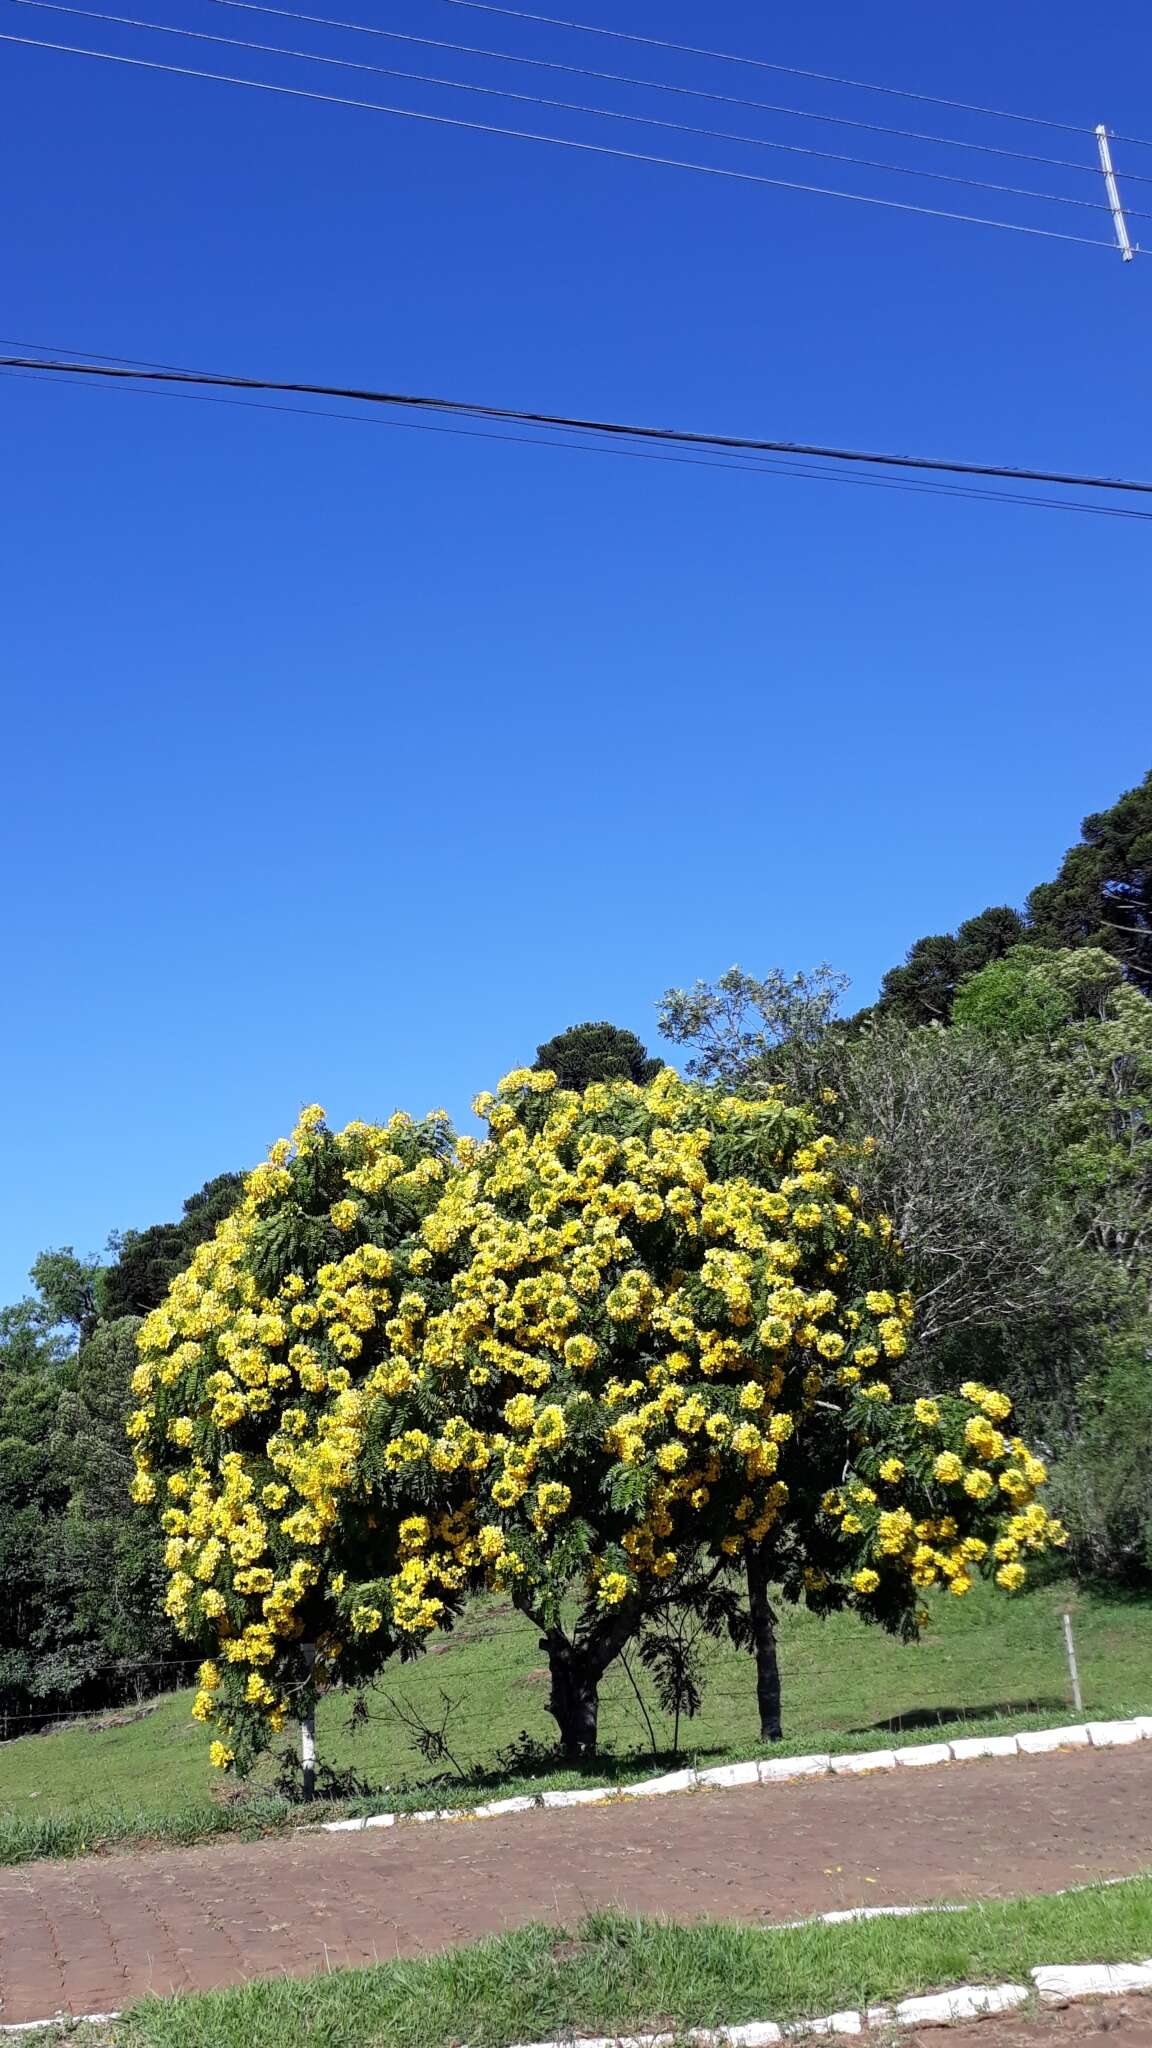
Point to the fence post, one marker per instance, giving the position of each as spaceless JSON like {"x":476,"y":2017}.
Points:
{"x":1074,"y":1674}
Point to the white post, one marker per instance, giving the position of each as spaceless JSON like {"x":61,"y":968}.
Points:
{"x":1118,"y":220}
{"x":308,"y":1735}
{"x":1069,"y":1645}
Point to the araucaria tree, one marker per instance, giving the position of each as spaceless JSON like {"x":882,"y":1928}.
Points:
{"x":595,"y":1052}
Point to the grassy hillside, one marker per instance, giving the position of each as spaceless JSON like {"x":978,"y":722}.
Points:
{"x":986,"y":1661}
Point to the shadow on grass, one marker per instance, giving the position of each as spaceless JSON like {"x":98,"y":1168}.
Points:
{"x":546,"y":1765}
{"x":935,"y":1717}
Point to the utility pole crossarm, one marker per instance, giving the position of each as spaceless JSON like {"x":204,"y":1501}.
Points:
{"x":1123,"y":241}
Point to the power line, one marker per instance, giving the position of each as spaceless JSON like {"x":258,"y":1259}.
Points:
{"x":1137,"y":141}
{"x":746,"y":465}
{"x":675,"y":437}
{"x":573,"y":106}
{"x":763,"y":465}
{"x":563,"y":142}
{"x":662,"y":85}
{"x":792,"y":70}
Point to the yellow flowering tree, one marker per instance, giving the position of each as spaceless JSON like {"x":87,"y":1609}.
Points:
{"x":651,"y":1315}
{"x":270,"y":1385}
{"x":659,"y":1316}
{"x":629,"y":1344}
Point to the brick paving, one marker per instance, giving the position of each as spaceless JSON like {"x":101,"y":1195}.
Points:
{"x":95,"y":1933}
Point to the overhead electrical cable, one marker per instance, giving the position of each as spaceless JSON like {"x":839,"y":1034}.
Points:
{"x":746,"y":466}
{"x":561,"y":142}
{"x":621,"y":35}
{"x":1137,"y":141}
{"x":627,"y":431}
{"x":573,"y":106}
{"x":695,"y":92}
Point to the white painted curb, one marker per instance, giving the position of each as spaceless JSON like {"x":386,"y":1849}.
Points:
{"x":779,"y":1770}
{"x":60,"y":2019}
{"x":1054,"y":1984}
{"x":1057,"y":1984}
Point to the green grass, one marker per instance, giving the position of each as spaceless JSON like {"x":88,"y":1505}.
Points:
{"x":614,"y":1973}
{"x":987,"y":1663}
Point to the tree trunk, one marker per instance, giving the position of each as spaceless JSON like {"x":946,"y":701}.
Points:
{"x":575,"y":1698}
{"x":764,"y":1644}
{"x":576,"y":1669}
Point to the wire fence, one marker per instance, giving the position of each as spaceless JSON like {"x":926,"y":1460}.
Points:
{"x":101,"y":1693}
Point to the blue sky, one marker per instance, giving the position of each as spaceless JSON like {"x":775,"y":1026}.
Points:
{"x":346,"y":763}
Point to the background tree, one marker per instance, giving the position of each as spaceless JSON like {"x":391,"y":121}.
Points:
{"x":750,"y":1034}
{"x":595,"y":1052}
{"x":1012,"y":1151}
{"x":84,"y":1624}
{"x":114,"y":1554}
{"x":1088,"y":1034}
{"x":923,"y":990}
{"x":962,"y":1160}
{"x":1102,"y":895}
{"x":1104,"y":1476}
{"x":38,"y":1661}
{"x":65,"y":1296}
{"x":147,"y":1261}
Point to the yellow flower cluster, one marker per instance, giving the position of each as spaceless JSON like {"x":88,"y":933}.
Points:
{"x":633,"y":1300}
{"x":968,"y":1505}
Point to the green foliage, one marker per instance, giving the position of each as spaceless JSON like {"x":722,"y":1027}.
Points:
{"x":81,"y":1569}
{"x":595,"y":1052}
{"x":1102,"y":895}
{"x":66,"y":1289}
{"x":114,"y":1558}
{"x":677,"y":1651}
{"x":36,"y":1649}
{"x":750,"y":1034}
{"x":82,"y":1619}
{"x":1088,"y":1034}
{"x":1035,"y":993}
{"x":1104,"y":1480}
